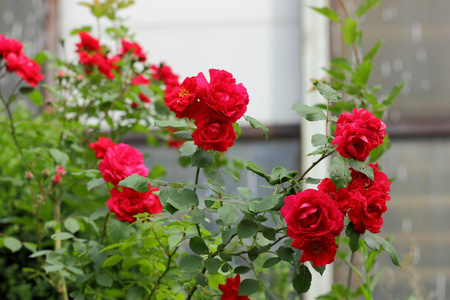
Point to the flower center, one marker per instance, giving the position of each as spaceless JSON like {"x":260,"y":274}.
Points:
{"x":183,"y":93}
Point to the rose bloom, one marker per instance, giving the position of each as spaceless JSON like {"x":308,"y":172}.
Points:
{"x":311,"y":212}
{"x":26,"y":68}
{"x":9,"y":46}
{"x":120,"y":162}
{"x":362,"y":182}
{"x":88,"y":43}
{"x":321,"y":250}
{"x":340,"y":197}
{"x":57,"y":179}
{"x":128,"y":203}
{"x":101,"y":146}
{"x":183,"y":100}
{"x":358,"y":133}
{"x":134,"y":48}
{"x":231,"y":289}
{"x":215,"y":135}
{"x":226,"y":99}
{"x":164,"y":73}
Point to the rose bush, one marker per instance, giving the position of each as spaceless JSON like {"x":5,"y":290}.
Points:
{"x":189,"y":239}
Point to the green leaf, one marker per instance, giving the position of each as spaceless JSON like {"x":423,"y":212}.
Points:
{"x":375,"y":241}
{"x":201,"y":280}
{"x":112,"y":261}
{"x":354,"y":237}
{"x":361,"y":167}
{"x":393,"y":94}
{"x":197,"y":216}
{"x":171,"y":123}
{"x":62,"y":236}
{"x":271,"y":295}
{"x":264,"y":204}
{"x":319,"y":139}
{"x":81,"y":29}
{"x":245,"y":192}
{"x":101,"y":212}
{"x":75,"y":270}
{"x":40,"y":58}
{"x":202,"y":159}
{"x":198,"y":246}
{"x":40,"y":253}
{"x":310,"y":113}
{"x":328,"y":12}
{"x":212,"y":265}
{"x":60,"y":157}
{"x":174,"y":240}
{"x":104,"y":280}
{"x":136,"y":182}
{"x":12,"y":244}
{"x":228,"y":214}
{"x":251,"y":166}
{"x":340,"y":174}
{"x":285,"y":253}
{"x":257,"y":125}
{"x":366,"y":6}
{"x":270,"y":262}
{"x":72,"y":225}
{"x":319,"y":269}
{"x":362,"y":73}
{"x":349,"y":31}
{"x":25,"y":90}
{"x":53,"y":268}
{"x":36,"y":97}
{"x":327,"y":92}
{"x":94,"y":182}
{"x":117,"y":230}
{"x":241,"y":270}
{"x":248,"y":286}
{"x":247,"y":228}
{"x":302,"y":280}
{"x":191,"y":263}
{"x":183,"y":134}
{"x":190,"y":197}
{"x":372,"y":52}
{"x":176,"y":199}
{"x":188,"y":148}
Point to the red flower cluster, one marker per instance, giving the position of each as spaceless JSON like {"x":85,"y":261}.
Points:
{"x":231,"y":289}
{"x":358,"y":133}
{"x":214,"y":107}
{"x":16,"y":61}
{"x":164,"y":73}
{"x":134,"y":48}
{"x":91,"y":55}
{"x":119,"y":162}
{"x":59,"y":173}
{"x":363,"y":200}
{"x":313,"y":221}
{"x":141,"y":79}
{"x":315,"y":217}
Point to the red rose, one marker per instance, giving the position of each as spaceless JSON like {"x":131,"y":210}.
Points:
{"x":311,"y":212}
{"x":135,"y":50}
{"x":57,"y":179}
{"x":88,"y":43}
{"x":164,"y":73}
{"x":366,"y":210}
{"x":340,"y":197}
{"x":9,"y":46}
{"x":128,"y":203}
{"x":183,"y":100}
{"x":361,"y":181}
{"x":321,"y":250}
{"x":358,"y":133}
{"x":30,"y":72}
{"x":215,"y":135}
{"x":226,"y":99}
{"x":120,"y":162}
{"x":101,"y":146}
{"x":14,"y":61}
{"x":231,"y":289}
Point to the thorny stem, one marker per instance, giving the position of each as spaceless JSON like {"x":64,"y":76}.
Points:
{"x":325,"y":155}
{"x":61,"y":282}
{"x":350,"y":272}
{"x":104,"y":228}
{"x":197,"y":174}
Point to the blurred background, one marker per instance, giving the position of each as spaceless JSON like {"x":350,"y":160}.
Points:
{"x":267,"y":45}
